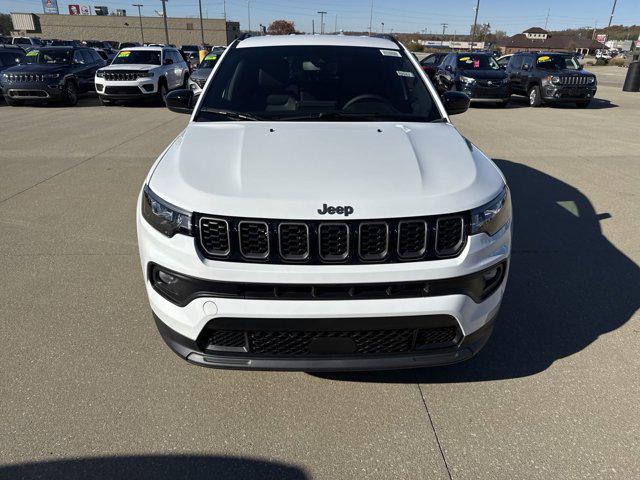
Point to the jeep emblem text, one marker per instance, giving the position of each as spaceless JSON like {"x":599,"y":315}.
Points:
{"x":346,"y":210}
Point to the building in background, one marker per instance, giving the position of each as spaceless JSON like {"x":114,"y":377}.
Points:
{"x":182,"y":31}
{"x":537,"y":39}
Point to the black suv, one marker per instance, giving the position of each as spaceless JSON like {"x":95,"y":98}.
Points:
{"x":58,"y":73}
{"x":478,"y":75}
{"x":546,"y":78}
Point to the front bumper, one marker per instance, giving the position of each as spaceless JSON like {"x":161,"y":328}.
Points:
{"x":144,"y":87}
{"x":32,"y":90}
{"x":478,"y":94}
{"x":556,"y":93}
{"x":182,"y":326}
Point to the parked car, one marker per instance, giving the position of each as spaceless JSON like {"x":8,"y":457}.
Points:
{"x":141,"y":73}
{"x":545,"y":78}
{"x":200,"y":75}
{"x":265,"y":241}
{"x":26,"y":42}
{"x":51,"y":73}
{"x":66,"y":43}
{"x":192,"y":54}
{"x":430,"y":64}
{"x":128,"y":45}
{"x":104,"y":49}
{"x":503,"y":61}
{"x":477,"y":75}
{"x":9,"y":57}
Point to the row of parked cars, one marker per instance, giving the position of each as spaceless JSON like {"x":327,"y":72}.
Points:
{"x":543,"y":77}
{"x":64,"y":73}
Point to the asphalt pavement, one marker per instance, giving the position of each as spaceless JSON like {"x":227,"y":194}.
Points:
{"x":90,"y":391}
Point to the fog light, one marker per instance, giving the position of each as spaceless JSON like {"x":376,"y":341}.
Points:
{"x":167,"y":278}
{"x":490,"y":275}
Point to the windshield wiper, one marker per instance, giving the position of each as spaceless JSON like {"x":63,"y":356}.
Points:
{"x":353,"y":116}
{"x":231,"y":114}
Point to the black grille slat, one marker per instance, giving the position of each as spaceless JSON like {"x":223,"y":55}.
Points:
{"x":412,"y":239}
{"x":227,"y":338}
{"x":373,"y":240}
{"x":214,"y":236}
{"x":121,"y":76}
{"x":254,"y":239}
{"x":449,"y":235}
{"x":333,"y":241}
{"x":294,"y":241}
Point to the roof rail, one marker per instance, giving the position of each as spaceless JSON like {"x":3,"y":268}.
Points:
{"x":244,"y":36}
{"x":390,"y":37}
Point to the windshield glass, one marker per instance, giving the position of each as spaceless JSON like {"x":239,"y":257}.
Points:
{"x":551,"y":62}
{"x":572,"y":63}
{"x":330,"y":82}
{"x":477,"y":62}
{"x":210,"y":60}
{"x":147,"y":57}
{"x":51,"y":56}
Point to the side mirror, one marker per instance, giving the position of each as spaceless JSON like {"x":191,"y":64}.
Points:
{"x":180,"y":101}
{"x":168,"y":61}
{"x":455,"y":102}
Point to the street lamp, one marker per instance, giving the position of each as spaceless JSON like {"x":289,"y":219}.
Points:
{"x":139,"y":5}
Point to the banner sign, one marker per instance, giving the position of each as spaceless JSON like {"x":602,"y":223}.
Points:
{"x":50,"y":6}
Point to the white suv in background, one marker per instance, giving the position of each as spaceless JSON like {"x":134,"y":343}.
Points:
{"x":320,"y":212}
{"x":141,"y":72}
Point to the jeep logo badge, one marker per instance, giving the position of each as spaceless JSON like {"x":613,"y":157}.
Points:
{"x":346,"y":210}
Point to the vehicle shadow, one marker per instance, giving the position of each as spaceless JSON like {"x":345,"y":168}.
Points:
{"x":518,"y":101}
{"x":153,"y":467}
{"x":567,"y":286}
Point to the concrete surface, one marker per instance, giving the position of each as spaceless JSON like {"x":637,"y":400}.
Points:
{"x":90,"y":391}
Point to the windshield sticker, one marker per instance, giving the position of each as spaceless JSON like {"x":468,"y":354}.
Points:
{"x":464,"y":59}
{"x":546,"y":58}
{"x":476,"y":63}
{"x":211,"y":57}
{"x":390,"y":53}
{"x":404,"y":74}
{"x":124,"y":54}
{"x":32,"y":53}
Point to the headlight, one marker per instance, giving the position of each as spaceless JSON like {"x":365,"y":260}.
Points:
{"x":100,"y":73}
{"x":467,"y":80}
{"x":591,"y":80}
{"x":493,"y":216}
{"x":163,"y":216}
{"x":51,"y":76}
{"x":555,"y":79}
{"x":145,"y":74}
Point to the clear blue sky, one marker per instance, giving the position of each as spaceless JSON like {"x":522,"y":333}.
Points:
{"x":397,"y":15}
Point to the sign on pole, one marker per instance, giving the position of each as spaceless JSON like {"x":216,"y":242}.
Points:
{"x":601,"y":37}
{"x":50,"y":6}
{"x":74,"y":9}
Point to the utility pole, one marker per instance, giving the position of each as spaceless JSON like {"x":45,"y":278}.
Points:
{"x":371,"y":18}
{"x":595,"y":26}
{"x":313,"y":26}
{"x":475,"y":22}
{"x":201,"y":24}
{"x":335,"y":25}
{"x":164,"y":16}
{"x":613,"y":9}
{"x":249,"y":14}
{"x":444,"y":29}
{"x":224,"y":9}
{"x":322,"y":14}
{"x":382,"y":23}
{"x":139,"y":5}
{"x":546,"y":20}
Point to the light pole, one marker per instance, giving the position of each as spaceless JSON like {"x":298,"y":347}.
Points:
{"x":249,"y":14}
{"x":613,"y":9}
{"x":322,"y":14}
{"x":444,"y":29}
{"x":371,"y":18}
{"x":139,"y":5}
{"x":475,"y":22}
{"x":164,"y":16}
{"x":201,"y":26}
{"x":382,"y":23}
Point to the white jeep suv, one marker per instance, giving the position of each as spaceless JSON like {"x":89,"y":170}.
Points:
{"x":320,"y":212}
{"x":141,"y":72}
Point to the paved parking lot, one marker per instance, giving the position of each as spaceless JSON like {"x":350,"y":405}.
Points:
{"x":89,"y":390}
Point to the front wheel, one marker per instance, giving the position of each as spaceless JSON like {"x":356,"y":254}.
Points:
{"x":162,"y":92}
{"x":535,"y":100}
{"x":70,"y":94}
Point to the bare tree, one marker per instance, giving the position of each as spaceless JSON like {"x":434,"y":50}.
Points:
{"x":281,"y":27}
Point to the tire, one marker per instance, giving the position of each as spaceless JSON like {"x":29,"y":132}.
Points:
{"x":162,"y":92}
{"x":13,"y":103}
{"x":106,"y":102}
{"x":185,"y":81}
{"x":70,"y":94}
{"x":583,"y":103}
{"x":535,"y":100}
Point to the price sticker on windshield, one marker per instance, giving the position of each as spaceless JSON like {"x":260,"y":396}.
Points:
{"x":390,"y":53}
{"x":124,"y":54}
{"x":545,"y":58}
{"x":464,"y":59}
{"x":211,"y":57}
{"x":32,"y":53}
{"x":402,"y":73}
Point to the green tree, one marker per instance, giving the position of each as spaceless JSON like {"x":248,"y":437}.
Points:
{"x":5,"y":24}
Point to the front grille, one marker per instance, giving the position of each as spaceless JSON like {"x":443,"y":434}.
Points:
{"x":124,"y":90}
{"x":315,"y":242}
{"x":489,"y":83}
{"x":300,"y":343}
{"x":574,"y":80}
{"x":449,"y":236}
{"x":122,"y":76}
{"x":24,"y":77}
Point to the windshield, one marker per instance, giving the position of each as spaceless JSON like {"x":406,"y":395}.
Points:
{"x":572,"y":63}
{"x":50,"y":56}
{"x":210,"y":60}
{"x":477,"y":62}
{"x":318,"y":82}
{"x":551,"y":62}
{"x":147,"y":57}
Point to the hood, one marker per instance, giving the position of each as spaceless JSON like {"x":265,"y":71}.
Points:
{"x":485,"y":74}
{"x":131,"y":66}
{"x":289,"y":170}
{"x":201,"y":73}
{"x":37,"y":68}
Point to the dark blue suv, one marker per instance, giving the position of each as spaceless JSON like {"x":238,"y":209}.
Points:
{"x":9,"y":57}
{"x":51,"y":73}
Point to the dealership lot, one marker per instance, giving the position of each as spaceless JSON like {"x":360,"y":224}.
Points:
{"x":89,"y":386}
